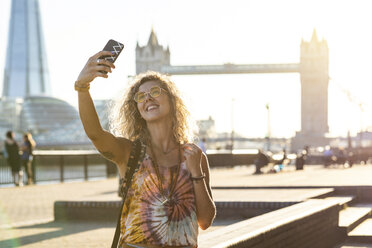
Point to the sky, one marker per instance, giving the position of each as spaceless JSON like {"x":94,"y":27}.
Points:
{"x":217,"y":32}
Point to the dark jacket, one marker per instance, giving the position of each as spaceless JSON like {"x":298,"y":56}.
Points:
{"x":13,"y":160}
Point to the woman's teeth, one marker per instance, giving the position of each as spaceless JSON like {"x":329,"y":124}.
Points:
{"x":151,"y":107}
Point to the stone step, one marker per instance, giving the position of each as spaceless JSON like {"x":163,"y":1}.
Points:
{"x":343,"y":201}
{"x":230,"y":203}
{"x":362,"y":233}
{"x":353,"y":245}
{"x":350,"y":217}
{"x":314,"y":220}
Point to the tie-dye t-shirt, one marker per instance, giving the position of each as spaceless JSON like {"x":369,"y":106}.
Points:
{"x":146,"y":220}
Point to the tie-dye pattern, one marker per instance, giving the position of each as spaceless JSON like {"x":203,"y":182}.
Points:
{"x":145,"y":220}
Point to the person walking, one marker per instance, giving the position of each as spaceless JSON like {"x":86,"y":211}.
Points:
{"x":202,"y":145}
{"x":170,"y":195}
{"x":27,"y":147}
{"x":261,"y":161}
{"x":13,"y":160}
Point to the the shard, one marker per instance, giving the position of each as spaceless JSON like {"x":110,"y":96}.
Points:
{"x":26,"y":71}
{"x":27,"y":103}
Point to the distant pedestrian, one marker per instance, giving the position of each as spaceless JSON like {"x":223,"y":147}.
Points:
{"x":202,"y":145}
{"x":300,"y":160}
{"x":12,"y":149}
{"x":27,"y":147}
{"x":327,"y":156}
{"x":261,"y":161}
{"x":283,"y":160}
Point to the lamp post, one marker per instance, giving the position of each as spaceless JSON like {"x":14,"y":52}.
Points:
{"x":268,"y":126}
{"x":361,"y":107}
{"x":232,"y":125}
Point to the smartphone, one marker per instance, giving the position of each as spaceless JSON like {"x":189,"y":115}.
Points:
{"x":115,"y":47}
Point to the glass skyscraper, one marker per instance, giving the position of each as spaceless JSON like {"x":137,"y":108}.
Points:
{"x":27,"y":103}
{"x":26,"y":71}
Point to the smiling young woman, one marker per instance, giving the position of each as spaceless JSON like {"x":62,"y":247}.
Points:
{"x":170,"y":195}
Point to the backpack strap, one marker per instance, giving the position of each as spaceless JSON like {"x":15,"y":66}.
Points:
{"x":138,"y":152}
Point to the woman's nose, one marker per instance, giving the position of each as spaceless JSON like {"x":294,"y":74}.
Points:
{"x":148,"y":96}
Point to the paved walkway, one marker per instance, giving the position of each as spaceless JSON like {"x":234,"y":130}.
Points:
{"x":26,"y":213}
{"x":311,"y":176}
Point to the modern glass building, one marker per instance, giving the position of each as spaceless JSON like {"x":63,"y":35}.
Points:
{"x":27,"y":104}
{"x":26,"y":71}
{"x":42,"y":114}
{"x":66,"y":135}
{"x":10,"y":110}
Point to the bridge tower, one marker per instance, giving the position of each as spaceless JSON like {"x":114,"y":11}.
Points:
{"x":152,"y":56}
{"x":314,"y":93}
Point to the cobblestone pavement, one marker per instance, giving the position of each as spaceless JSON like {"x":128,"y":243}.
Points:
{"x":26,"y":213}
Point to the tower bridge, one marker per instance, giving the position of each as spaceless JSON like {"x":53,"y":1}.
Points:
{"x":229,"y":69}
{"x":313,"y":70}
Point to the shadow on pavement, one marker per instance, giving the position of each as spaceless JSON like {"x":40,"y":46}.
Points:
{"x":32,"y":234}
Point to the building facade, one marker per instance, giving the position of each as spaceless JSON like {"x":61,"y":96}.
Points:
{"x":152,"y":56}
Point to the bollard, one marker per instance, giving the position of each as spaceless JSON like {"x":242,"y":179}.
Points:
{"x":85,"y":167}
{"x":111,"y":170}
{"x":33,"y":168}
{"x":61,"y":169}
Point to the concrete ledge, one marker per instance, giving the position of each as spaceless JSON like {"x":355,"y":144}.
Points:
{"x":254,"y":204}
{"x":229,"y":159}
{"x":313,"y":223}
{"x":109,"y":210}
{"x":343,"y":201}
{"x":363,"y":193}
{"x":246,"y":209}
{"x":353,"y":216}
{"x":362,"y":233}
{"x":360,"y":239}
{"x":86,"y":210}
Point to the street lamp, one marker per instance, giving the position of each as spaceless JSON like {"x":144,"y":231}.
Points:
{"x":268,"y":126}
{"x":232,"y":124}
{"x":361,"y":107}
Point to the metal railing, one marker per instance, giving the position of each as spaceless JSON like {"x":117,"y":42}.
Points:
{"x":67,"y":165}
{"x":61,"y":166}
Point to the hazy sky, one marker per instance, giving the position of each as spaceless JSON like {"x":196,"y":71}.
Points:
{"x":216,"y":32}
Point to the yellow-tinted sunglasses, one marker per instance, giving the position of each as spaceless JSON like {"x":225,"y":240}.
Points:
{"x":154,"y":92}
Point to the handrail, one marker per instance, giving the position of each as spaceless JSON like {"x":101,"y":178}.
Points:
{"x":62,"y":165}
{"x":65,"y":152}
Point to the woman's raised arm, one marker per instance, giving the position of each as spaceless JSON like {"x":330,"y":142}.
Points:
{"x":113,"y":148}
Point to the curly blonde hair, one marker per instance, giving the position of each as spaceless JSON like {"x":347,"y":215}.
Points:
{"x":126,"y":120}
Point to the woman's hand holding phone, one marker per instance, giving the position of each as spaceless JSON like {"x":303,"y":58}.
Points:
{"x":95,"y":67}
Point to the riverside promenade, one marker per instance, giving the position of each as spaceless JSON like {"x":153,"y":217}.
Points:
{"x":27,"y":219}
